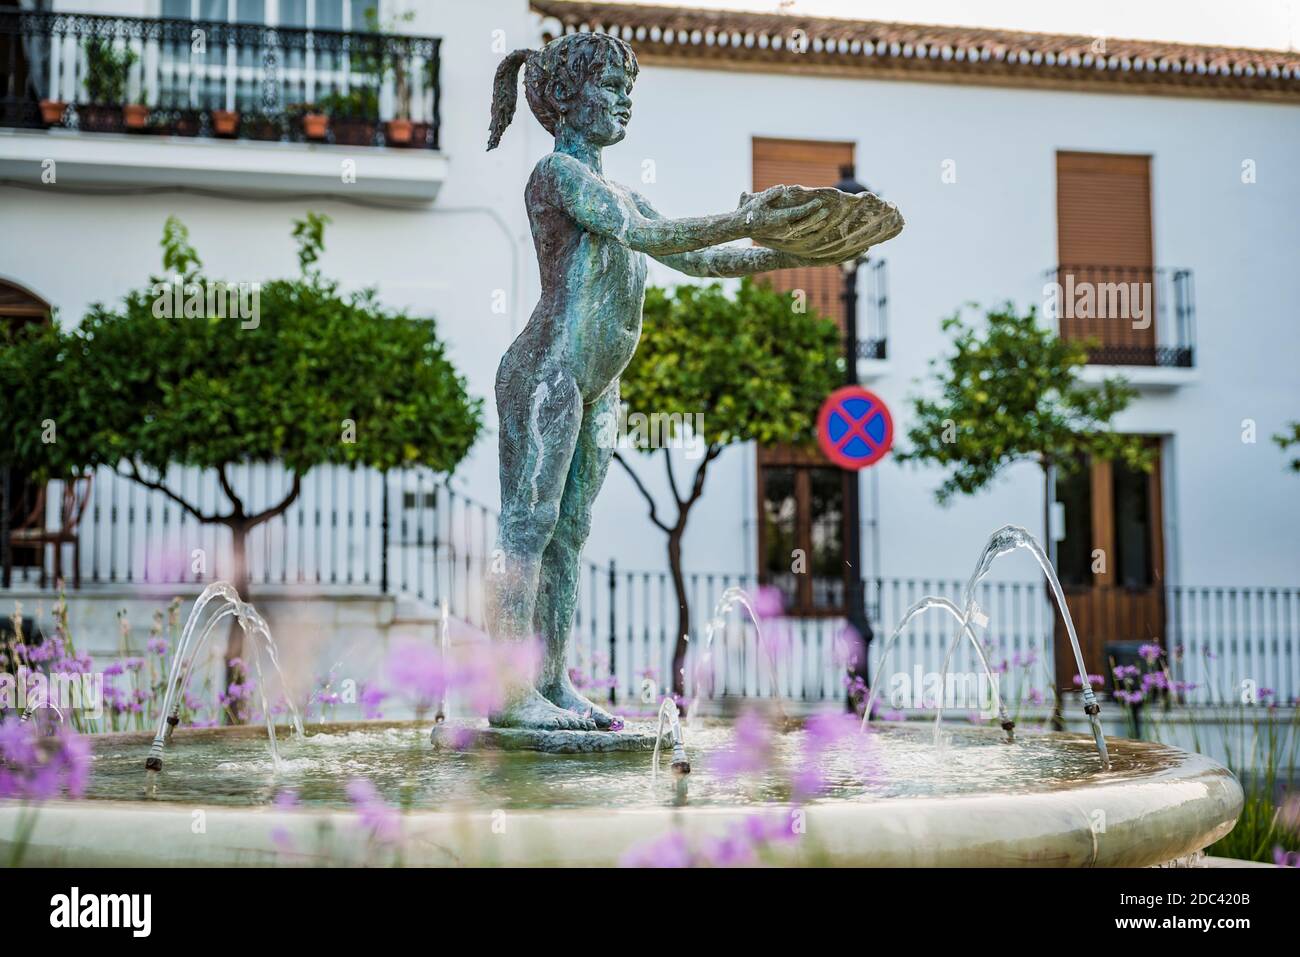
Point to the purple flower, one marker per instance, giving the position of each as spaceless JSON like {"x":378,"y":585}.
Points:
{"x":1289,"y":814}
{"x":1092,"y":679}
{"x":670,"y":850}
{"x":738,"y":847}
{"x":1151,"y":653}
{"x":1285,"y":858}
{"x":158,"y":646}
{"x":35,"y":767}
{"x":822,"y":733}
{"x":382,"y":821}
{"x":768,"y":602}
{"x":753,"y":747}
{"x":1027,"y":660}
{"x":371,"y":698}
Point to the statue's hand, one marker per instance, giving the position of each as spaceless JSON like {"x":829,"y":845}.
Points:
{"x":769,"y":215}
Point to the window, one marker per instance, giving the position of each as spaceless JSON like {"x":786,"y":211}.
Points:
{"x":801,"y":533}
{"x":1103,"y":222}
{"x":1110,"y":509}
{"x":233,"y":78}
{"x":807,"y":163}
{"x":1133,"y":551}
{"x":19,"y":308}
{"x":1074,"y":552}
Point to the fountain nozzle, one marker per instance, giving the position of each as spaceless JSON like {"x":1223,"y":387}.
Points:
{"x":154,"y":761}
{"x":679,"y":764}
{"x":1093,"y":711}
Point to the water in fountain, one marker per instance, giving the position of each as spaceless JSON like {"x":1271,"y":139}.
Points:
{"x":1004,"y":541}
{"x":228,"y":604}
{"x":732,"y":597}
{"x":925,"y":604}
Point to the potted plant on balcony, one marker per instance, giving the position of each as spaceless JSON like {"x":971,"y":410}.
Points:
{"x":354,"y":115}
{"x":52,"y":111}
{"x":105,"y":80}
{"x":225,"y":122}
{"x":135,"y":115}
{"x":313,"y":118}
{"x":397,"y":131}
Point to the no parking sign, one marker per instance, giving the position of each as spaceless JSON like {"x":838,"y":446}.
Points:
{"x":854,"y":427}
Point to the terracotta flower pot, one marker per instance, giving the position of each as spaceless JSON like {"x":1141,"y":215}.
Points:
{"x":225,"y":122}
{"x":315,"y":125}
{"x":135,"y":116}
{"x":398,"y":132}
{"x":52,"y":112}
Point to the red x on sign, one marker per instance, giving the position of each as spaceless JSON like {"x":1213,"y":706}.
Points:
{"x":854,"y":427}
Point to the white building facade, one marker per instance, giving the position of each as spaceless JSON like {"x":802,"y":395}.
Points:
{"x":1010,"y":155}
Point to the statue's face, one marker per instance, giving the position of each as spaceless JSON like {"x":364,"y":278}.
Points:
{"x":604,"y":106}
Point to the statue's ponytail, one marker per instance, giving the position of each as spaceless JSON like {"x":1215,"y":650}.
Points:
{"x":504,"y":94}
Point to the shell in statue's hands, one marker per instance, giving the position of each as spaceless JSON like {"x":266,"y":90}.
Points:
{"x":857,"y":221}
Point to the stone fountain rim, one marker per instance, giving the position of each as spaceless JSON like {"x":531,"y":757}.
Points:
{"x":1170,"y":813}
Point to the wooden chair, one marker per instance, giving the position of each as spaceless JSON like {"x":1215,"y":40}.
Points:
{"x":33,"y":533}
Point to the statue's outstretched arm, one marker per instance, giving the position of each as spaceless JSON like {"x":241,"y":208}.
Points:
{"x":599,"y":208}
{"x":720,"y":262}
{"x":728,"y":262}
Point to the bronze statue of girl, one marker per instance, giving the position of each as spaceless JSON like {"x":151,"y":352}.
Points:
{"x":561,"y":375}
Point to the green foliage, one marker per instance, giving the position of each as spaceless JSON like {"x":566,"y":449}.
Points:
{"x":132,"y":384}
{"x":1285,"y":440}
{"x":757,"y":369}
{"x":361,"y":102}
{"x":106,"y":71}
{"x":179,"y":256}
{"x":1011,"y":392}
{"x":309,"y":234}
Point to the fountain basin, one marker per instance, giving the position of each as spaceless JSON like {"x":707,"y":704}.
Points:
{"x":977,"y":802}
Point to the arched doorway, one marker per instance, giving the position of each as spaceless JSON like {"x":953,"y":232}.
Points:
{"x":20,"y":495}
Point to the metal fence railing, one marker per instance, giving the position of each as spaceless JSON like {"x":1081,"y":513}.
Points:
{"x":412,"y":532}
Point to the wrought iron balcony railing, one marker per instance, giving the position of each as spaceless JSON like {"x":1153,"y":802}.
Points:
{"x":873,"y":320}
{"x":210,"y":78}
{"x":1134,"y":315}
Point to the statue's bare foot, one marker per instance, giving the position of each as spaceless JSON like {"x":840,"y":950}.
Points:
{"x":534,"y":711}
{"x":563,"y":694}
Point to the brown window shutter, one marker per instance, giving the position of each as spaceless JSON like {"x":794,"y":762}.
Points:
{"x":1103,"y":217}
{"x":804,"y":163}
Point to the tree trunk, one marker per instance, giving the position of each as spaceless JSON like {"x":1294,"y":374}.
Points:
{"x":683,"y":611}
{"x":239,"y":578}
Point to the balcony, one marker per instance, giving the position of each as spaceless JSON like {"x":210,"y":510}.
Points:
{"x":236,"y":104}
{"x":1139,"y":318}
